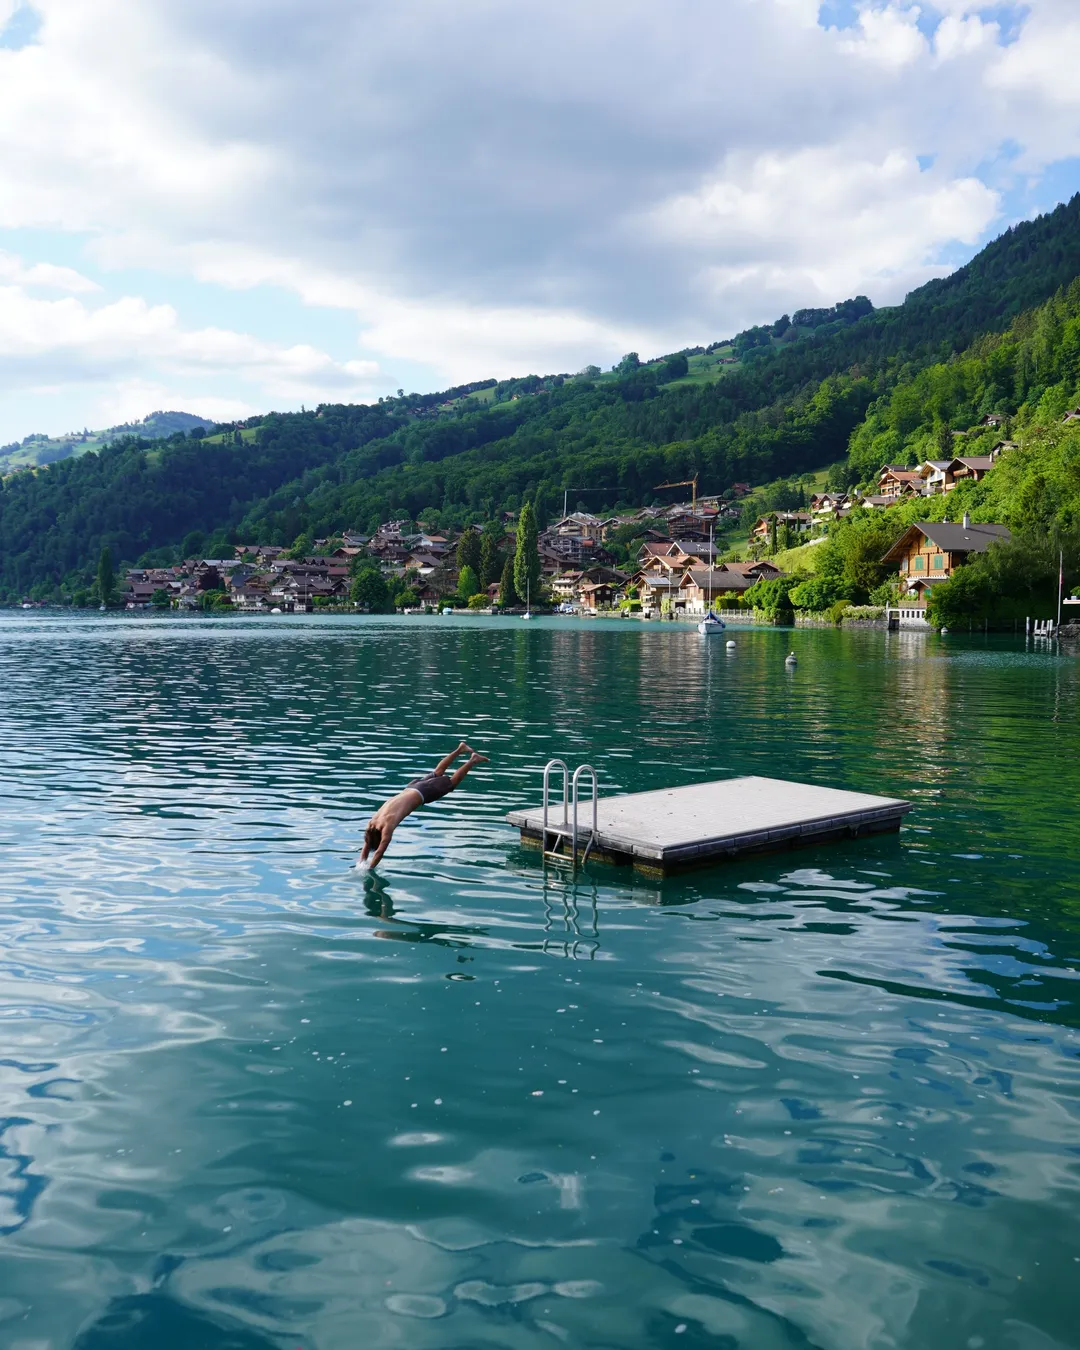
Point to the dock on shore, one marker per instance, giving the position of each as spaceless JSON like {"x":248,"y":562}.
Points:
{"x":671,"y":828}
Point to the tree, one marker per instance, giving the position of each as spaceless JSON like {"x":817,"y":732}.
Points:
{"x":302,"y":547}
{"x":676,"y":366}
{"x":773,"y":597}
{"x":468,"y":583}
{"x":630,"y":362}
{"x":479,"y":601}
{"x":370,"y":591}
{"x":527,"y":556}
{"x":508,"y":596}
{"x":491,"y":559}
{"x":106,"y":577}
{"x":160,"y":598}
{"x":468,"y":550}
{"x":819,"y":593}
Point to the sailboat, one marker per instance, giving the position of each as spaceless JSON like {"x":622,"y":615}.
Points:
{"x":527,"y":615}
{"x":711,"y":623}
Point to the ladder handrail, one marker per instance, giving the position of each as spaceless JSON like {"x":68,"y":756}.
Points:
{"x":584,"y":768}
{"x":556,"y":764}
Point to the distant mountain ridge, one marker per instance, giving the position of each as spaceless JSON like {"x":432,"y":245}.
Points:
{"x":37,"y":448}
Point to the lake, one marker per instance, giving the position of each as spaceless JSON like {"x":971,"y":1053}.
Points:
{"x":256,"y":1100}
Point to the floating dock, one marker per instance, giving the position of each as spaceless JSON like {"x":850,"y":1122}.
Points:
{"x":671,"y":828}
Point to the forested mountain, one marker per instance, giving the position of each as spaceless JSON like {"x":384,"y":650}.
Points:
{"x":41,"y":449}
{"x":468,"y":453}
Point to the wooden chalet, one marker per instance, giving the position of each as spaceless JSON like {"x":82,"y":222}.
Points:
{"x":799,"y":521}
{"x":598,"y":594}
{"x":929,"y":552}
{"x":895,"y":481}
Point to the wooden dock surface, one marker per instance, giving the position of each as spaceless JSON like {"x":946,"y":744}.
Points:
{"x":674,"y":827}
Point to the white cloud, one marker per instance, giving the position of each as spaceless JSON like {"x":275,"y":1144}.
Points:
{"x":862,"y":225}
{"x":888,"y":35}
{"x":961,"y":35}
{"x":492,"y":187}
{"x":1042,"y":63}
{"x":118,"y":341}
{"x":46,"y":275}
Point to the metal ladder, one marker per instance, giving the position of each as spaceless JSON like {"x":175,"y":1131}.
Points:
{"x":570,"y":797}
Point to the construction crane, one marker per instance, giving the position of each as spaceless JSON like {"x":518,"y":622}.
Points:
{"x":686,"y":482}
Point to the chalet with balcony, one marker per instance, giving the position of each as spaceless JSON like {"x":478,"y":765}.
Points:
{"x":928,"y":553}
{"x":896,"y":481}
{"x":826,"y":506}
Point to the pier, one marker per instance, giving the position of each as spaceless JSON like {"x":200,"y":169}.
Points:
{"x":672,"y":828}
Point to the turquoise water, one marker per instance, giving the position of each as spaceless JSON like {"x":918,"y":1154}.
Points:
{"x":254,"y":1099}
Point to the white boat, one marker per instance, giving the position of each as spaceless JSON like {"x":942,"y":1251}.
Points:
{"x":527,"y":615}
{"x":710,"y":623}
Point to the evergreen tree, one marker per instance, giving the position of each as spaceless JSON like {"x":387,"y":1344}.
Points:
{"x":106,"y":577}
{"x":507,"y":595}
{"x":468,"y":551}
{"x":527,"y":556}
{"x":490,"y":559}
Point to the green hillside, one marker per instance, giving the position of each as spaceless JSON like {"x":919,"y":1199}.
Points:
{"x":783,"y":400}
{"x":37,"y":449}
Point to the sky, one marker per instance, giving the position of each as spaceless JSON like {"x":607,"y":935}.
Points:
{"x":228,"y":206}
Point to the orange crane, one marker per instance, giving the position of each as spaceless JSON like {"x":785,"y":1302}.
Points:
{"x":686,"y":482}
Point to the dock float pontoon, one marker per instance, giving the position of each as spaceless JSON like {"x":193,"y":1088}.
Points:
{"x":670,"y":828}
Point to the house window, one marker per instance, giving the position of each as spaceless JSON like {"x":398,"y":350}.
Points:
{"x":920,"y":563}
{"x":939,"y":562}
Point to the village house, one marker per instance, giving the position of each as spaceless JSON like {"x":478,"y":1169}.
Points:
{"x":597,"y":595}
{"x":932,"y":475}
{"x":564,"y":588}
{"x":1073,"y":415}
{"x":653,"y":589}
{"x":942,"y":475}
{"x":799,"y":522}
{"x":580,"y":524}
{"x":826,"y":506}
{"x":928,"y":553}
{"x":573,"y":549}
{"x":896,"y":481}
{"x":700,"y":587}
{"x":964,"y":468}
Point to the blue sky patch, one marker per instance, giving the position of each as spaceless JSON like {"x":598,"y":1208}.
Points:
{"x":22,"y":29}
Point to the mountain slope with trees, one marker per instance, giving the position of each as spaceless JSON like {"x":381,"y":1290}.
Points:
{"x":466,"y":454}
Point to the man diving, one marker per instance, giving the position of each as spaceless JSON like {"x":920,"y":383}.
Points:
{"x":421,"y":791}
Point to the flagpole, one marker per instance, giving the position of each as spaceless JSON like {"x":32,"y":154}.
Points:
{"x":1061,"y":582}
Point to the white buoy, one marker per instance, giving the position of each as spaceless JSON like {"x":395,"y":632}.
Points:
{"x":944,"y":630}
{"x":791,"y":659}
{"x":731,"y":646}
